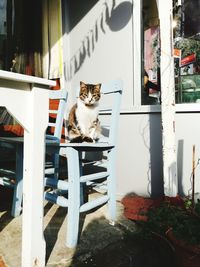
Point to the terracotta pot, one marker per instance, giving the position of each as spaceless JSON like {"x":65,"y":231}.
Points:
{"x":135,"y":207}
{"x":186,"y":255}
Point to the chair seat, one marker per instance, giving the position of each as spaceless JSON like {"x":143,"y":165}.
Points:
{"x":13,"y":140}
{"x":100,"y":146}
{"x":50,"y":140}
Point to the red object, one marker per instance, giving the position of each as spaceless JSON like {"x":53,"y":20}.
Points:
{"x":177,"y":52}
{"x":57,"y":86}
{"x":186,"y":255}
{"x":11,"y":130}
{"x":54,"y":106}
{"x":135,"y":207}
{"x":188,"y":60}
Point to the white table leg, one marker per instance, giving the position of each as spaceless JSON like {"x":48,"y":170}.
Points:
{"x":33,"y":243}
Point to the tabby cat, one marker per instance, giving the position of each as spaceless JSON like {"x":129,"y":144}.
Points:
{"x":83,"y":122}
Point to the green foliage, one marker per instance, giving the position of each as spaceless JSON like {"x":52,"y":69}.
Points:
{"x":184,"y":222}
{"x":197,"y":207}
{"x":187,"y":46}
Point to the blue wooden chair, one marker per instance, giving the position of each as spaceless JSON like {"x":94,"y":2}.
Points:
{"x":56,"y":117}
{"x":90,"y":166}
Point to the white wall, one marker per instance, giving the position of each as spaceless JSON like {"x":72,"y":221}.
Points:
{"x":139,"y":163}
{"x":187,"y":135}
{"x":99,"y":51}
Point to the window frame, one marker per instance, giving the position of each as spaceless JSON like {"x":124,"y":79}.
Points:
{"x":137,"y":70}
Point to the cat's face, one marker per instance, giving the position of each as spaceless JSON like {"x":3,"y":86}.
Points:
{"x":89,"y":93}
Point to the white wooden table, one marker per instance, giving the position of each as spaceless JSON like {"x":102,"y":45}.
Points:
{"x":27,"y":99}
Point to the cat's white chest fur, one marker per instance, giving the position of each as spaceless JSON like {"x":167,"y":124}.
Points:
{"x":86,"y":115}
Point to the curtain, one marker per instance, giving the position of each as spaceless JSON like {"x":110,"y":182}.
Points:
{"x":27,"y":57}
{"x":52,"y":39}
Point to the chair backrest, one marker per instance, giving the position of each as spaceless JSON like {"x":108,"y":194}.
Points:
{"x":57,"y":107}
{"x":111,"y":94}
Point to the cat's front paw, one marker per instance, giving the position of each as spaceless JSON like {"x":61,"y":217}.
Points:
{"x":88,"y":139}
{"x":77,"y":139}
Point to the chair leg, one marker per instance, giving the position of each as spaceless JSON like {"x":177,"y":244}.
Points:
{"x":56,"y":163}
{"x":73,"y":197}
{"x":18,"y":189}
{"x":112,"y":187}
{"x":83,"y":196}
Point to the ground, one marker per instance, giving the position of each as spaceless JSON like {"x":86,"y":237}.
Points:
{"x":100,"y":244}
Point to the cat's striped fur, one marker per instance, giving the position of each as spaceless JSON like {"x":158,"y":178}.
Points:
{"x":83,"y":122}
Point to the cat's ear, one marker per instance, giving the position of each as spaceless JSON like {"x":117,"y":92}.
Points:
{"x":98,"y":86}
{"x":82,"y":84}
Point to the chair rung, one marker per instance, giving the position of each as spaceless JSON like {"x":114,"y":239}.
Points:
{"x":54,"y":198}
{"x":6,"y":182}
{"x":94,"y":203}
{"x":101,"y":188}
{"x":91,"y":177}
{"x":53,"y":111}
{"x":50,"y":170}
{"x":7,"y":172}
{"x":51,"y":124}
{"x":55,"y":183}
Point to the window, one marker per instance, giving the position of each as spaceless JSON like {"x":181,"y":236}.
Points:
{"x":21,"y":36}
{"x":186,"y":32}
{"x":2,"y":33}
{"x":150,"y":93}
{"x":187,"y":51}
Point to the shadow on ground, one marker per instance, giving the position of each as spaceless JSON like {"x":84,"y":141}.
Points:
{"x":5,"y":207}
{"x":120,"y":246}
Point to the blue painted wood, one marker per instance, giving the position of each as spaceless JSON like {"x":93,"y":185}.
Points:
{"x":18,"y":188}
{"x":78,"y":180}
{"x":55,"y":198}
{"x":94,"y":203}
{"x":53,"y":182}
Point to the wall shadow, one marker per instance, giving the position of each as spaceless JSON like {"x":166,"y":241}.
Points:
{"x":156,"y":186}
{"x":180,"y":167}
{"x":110,"y":18}
{"x":52,"y":229}
{"x":6,"y":195}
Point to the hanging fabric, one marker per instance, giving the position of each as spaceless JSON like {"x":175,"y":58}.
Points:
{"x":27,"y":57}
{"x":52,"y":39}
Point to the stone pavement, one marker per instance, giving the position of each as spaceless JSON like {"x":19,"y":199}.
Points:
{"x":100,"y":244}
{"x":97,"y":234}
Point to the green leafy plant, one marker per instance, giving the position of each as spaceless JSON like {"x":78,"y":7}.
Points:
{"x":183,"y":219}
{"x":197,"y":207}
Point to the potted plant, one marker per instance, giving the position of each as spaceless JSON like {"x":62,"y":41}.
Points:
{"x":136,"y":207}
{"x":180,"y":225}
